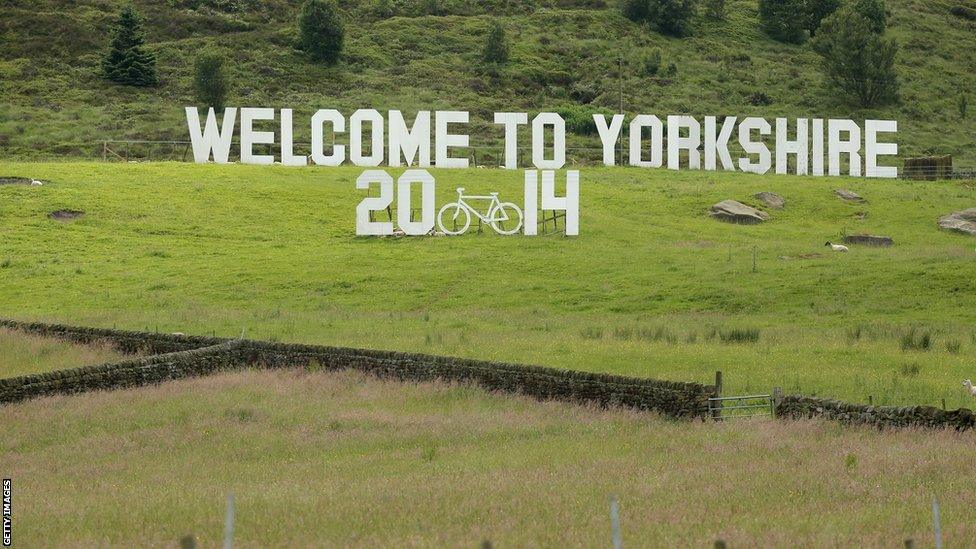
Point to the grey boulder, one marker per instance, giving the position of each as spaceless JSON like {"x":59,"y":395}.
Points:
{"x":848,"y":195}
{"x":737,"y":212}
{"x":771,"y":200}
{"x":869,"y":240}
{"x":961,"y":222}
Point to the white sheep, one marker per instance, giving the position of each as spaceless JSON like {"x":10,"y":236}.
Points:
{"x":968,"y":384}
{"x":181,"y":334}
{"x":837,"y":247}
{"x":35,"y":182}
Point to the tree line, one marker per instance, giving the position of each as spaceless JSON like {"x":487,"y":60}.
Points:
{"x":857,"y":58}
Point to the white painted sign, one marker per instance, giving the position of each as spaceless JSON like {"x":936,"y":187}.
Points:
{"x":818,"y":146}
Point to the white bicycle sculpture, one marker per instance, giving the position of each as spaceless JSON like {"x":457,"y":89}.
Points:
{"x":504,"y":217}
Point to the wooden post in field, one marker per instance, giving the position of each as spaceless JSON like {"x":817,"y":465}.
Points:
{"x":777,"y":397}
{"x":188,"y":542}
{"x":720,"y":544}
{"x":486,"y":544}
{"x":910,"y":543}
{"x":755,"y":250}
{"x":615,"y":523}
{"x":943,"y":405}
{"x":717,"y":405}
{"x":229,"y":523}
{"x":937,"y":523}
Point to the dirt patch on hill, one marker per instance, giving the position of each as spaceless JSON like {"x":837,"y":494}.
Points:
{"x":65,"y":215}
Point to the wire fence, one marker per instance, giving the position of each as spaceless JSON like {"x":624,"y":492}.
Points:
{"x":490,"y":156}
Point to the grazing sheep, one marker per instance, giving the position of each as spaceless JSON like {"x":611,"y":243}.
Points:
{"x":181,"y":334}
{"x":35,"y":182}
{"x":837,"y":247}
{"x":968,"y":384}
{"x":399,"y":233}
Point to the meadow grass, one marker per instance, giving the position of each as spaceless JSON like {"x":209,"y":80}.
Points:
{"x":342,"y":459}
{"x":22,"y":354}
{"x":652,"y":287}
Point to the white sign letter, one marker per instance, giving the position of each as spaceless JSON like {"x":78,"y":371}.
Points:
{"x":318,"y":142}
{"x":676,"y":143}
{"x":785,"y":147}
{"x":718,"y":144}
{"x":873,"y":149}
{"x":637,"y":125}
{"x":212,"y":139}
{"x":835,"y":146}
{"x":445,"y":140}
{"x":288,"y":157}
{"x":511,"y":121}
{"x":754,"y":147}
{"x":539,"y":124}
{"x":608,"y":136}
{"x":411,"y":141}
{"x":375,"y":120}
{"x":249,"y":137}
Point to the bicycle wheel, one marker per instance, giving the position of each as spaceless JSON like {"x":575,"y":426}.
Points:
{"x":512,"y":221}
{"x":458,"y":220}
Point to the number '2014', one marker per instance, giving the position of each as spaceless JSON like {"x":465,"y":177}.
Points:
{"x":504,"y":217}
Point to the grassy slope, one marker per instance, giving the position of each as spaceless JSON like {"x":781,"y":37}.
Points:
{"x":196,"y":249}
{"x":52,"y":100}
{"x":25,"y":355}
{"x":341,"y":460}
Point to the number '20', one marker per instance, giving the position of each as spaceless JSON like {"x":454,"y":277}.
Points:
{"x":366,"y":227}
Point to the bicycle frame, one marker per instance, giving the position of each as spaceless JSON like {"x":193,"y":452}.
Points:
{"x":492,"y":208}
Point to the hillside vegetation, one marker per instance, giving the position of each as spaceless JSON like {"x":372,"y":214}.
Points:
{"x":340,"y":459}
{"x":651,"y":287}
{"x":563,"y":55}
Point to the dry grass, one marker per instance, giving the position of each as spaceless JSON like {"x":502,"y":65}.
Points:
{"x":340,"y":459}
{"x":22,"y":354}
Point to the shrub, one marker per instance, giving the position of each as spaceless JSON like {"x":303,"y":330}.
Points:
{"x":579,"y":118}
{"x":667,"y":16}
{"x":963,"y":12}
{"x":652,"y":63}
{"x":963,"y":105}
{"x":815,"y":11}
{"x":953,"y":347}
{"x":671,"y":70}
{"x":783,"y":20}
{"x":496,"y":47}
{"x":910,"y":370}
{"x":320,"y":30}
{"x":715,"y":9}
{"x":760,"y":99}
{"x":383,"y":9}
{"x":127,"y":63}
{"x":873,"y":11}
{"x":857,"y":61}
{"x":210,"y":80}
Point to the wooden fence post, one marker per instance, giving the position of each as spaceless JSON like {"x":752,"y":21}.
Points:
{"x":937,"y":523}
{"x":717,"y":405}
{"x":615,"y":523}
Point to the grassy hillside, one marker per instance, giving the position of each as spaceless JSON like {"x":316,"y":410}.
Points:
{"x":564,"y":53}
{"x":652,"y":287}
{"x":338,"y":459}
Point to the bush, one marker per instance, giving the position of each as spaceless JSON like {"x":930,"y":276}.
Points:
{"x":963,"y":12}
{"x":739,"y":335}
{"x":873,"y":11}
{"x":579,"y":118}
{"x":496,"y":47}
{"x":783,"y":20}
{"x":667,"y":16}
{"x":652,"y":63}
{"x":715,"y":9}
{"x":320,"y":30}
{"x":815,"y":11}
{"x":856,"y":60}
{"x":127,"y":63}
{"x":210,"y":80}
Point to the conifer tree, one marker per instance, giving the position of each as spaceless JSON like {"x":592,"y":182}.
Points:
{"x":127,"y":62}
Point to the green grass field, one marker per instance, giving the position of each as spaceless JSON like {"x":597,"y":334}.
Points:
{"x":649,"y":288}
{"x":340,"y":459}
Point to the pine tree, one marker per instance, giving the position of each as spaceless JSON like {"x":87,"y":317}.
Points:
{"x":127,"y":62}
{"x":496,"y":48}
{"x":856,"y":60}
